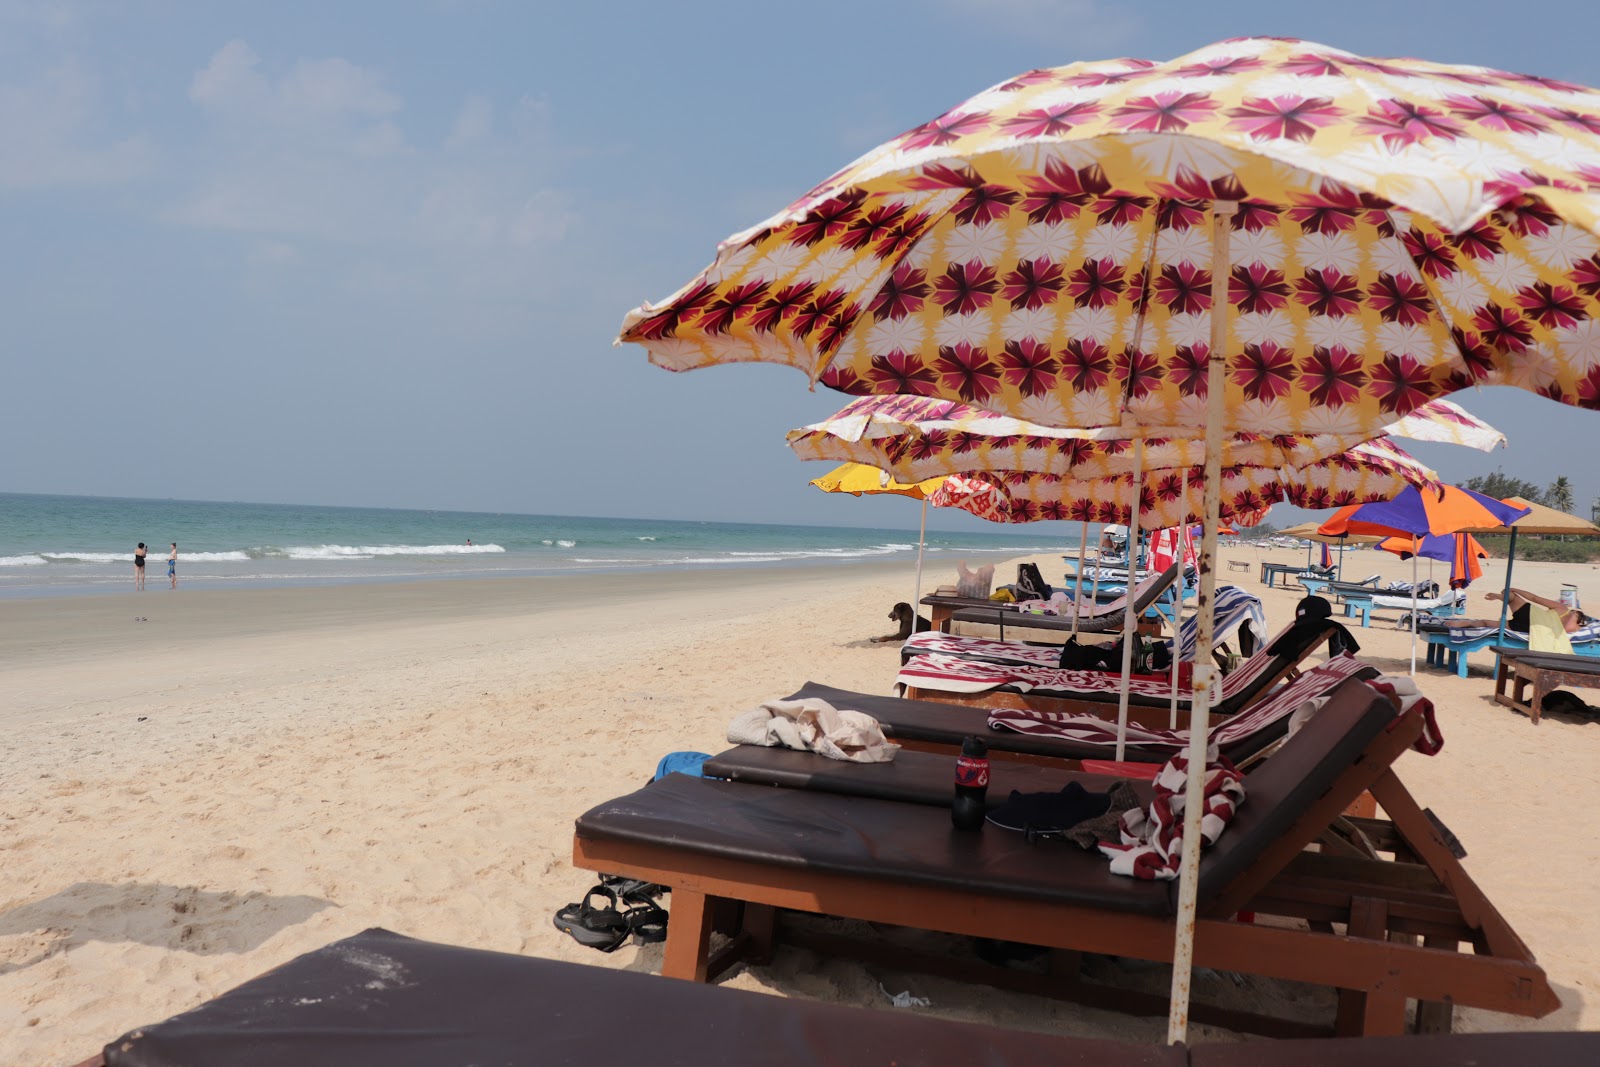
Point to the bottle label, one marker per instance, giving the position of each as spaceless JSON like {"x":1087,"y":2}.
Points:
{"x":972,"y":771}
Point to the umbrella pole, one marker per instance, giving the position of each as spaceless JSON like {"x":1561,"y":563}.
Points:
{"x":922,"y":539}
{"x":1204,"y":669}
{"x":1077,"y":582}
{"x":1130,"y":617}
{"x":1177,"y":643}
{"x":1505,"y":597}
{"x":1414,"y":611}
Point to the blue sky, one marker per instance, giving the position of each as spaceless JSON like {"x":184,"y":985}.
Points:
{"x":375,"y":253}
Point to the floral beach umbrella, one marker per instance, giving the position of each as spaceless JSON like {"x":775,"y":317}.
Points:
{"x":922,"y":437}
{"x":1370,"y":472}
{"x":1264,"y":235}
{"x":1404,"y":229}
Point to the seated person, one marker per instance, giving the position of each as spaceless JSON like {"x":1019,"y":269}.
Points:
{"x":1572,"y":619}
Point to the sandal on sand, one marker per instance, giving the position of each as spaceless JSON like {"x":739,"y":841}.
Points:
{"x":603,"y":928}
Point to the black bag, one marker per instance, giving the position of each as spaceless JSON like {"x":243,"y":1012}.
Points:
{"x":1030,"y":583}
{"x":1076,"y":657}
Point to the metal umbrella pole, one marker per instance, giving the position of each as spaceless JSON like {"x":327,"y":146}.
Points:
{"x":1077,"y":581}
{"x":1417,"y":546}
{"x":1505,"y":597}
{"x":922,"y":539}
{"x":1130,"y":617}
{"x":1205,"y":670}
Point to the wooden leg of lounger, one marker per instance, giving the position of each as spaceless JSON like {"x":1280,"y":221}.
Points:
{"x":760,"y":931}
{"x":688,"y":936}
{"x":1435,"y":1016}
{"x":1370,"y":1012}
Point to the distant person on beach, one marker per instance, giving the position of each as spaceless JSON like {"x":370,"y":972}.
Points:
{"x":172,"y":565}
{"x":469,"y":542}
{"x":1572,"y":619}
{"x":138,"y":567}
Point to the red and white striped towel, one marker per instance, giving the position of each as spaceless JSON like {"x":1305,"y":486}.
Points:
{"x":1152,"y":839}
{"x":953,"y":674}
{"x":1093,"y":730}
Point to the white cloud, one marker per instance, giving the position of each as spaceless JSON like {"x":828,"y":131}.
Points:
{"x":323,"y":152}
{"x":52,"y":132}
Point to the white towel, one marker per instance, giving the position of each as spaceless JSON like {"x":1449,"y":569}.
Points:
{"x":814,"y":726}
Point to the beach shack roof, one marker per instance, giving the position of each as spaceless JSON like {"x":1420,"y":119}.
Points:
{"x":1543,"y":520}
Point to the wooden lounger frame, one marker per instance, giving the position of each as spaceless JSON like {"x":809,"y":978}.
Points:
{"x":1404,"y":920}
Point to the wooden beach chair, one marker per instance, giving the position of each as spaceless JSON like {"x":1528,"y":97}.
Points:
{"x":1380,"y":931}
{"x":1091,"y":617}
{"x":931,"y":726}
{"x":1233,"y":609}
{"x":953,"y":680}
{"x":453,"y":1006}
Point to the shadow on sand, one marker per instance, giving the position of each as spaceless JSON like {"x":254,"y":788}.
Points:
{"x":201,"y":921}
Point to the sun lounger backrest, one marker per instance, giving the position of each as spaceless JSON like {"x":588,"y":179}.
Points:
{"x":1280,"y":788}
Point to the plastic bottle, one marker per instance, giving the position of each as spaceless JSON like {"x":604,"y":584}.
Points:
{"x":967,"y":810}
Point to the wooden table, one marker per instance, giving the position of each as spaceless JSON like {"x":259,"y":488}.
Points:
{"x":1544,"y":671}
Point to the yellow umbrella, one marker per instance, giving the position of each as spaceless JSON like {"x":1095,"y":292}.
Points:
{"x":858,"y":479}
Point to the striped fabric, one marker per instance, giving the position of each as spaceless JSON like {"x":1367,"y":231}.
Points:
{"x":1475,"y":630}
{"x":1234,"y":606}
{"x":949,"y":674}
{"x":1092,"y":730}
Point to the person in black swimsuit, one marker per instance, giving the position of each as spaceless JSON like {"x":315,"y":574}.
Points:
{"x":138,"y":566}
{"x":1571,"y":618}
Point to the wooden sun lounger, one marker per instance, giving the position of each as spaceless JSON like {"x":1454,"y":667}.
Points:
{"x":937,"y":726}
{"x":1097,"y":618}
{"x":1276,"y":670}
{"x":455,"y":1006}
{"x":896,"y":863}
{"x":1544,"y":672}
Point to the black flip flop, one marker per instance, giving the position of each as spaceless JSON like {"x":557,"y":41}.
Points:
{"x":603,"y":928}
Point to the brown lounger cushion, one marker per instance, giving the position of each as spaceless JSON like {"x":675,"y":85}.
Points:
{"x":382,"y":999}
{"x":912,"y":777}
{"x":913,"y":844}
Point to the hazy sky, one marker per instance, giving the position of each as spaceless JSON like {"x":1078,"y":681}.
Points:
{"x":375,"y":253}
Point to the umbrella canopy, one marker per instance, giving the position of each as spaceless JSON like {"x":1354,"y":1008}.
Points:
{"x":1543,"y":520}
{"x":1374,"y":471}
{"x":921,"y":437}
{"x":1307,"y":531}
{"x":1461,"y":550}
{"x":858,"y":479}
{"x":1412,"y":513}
{"x":1404,"y":229}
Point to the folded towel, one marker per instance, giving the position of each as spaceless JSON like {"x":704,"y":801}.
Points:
{"x":813,"y":725}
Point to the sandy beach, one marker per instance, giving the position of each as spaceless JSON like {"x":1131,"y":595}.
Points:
{"x":250,"y":774}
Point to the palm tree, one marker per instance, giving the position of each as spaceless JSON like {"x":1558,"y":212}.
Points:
{"x":1559,"y":495}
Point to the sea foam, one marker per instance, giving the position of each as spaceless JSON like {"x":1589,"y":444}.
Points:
{"x":309,"y":552}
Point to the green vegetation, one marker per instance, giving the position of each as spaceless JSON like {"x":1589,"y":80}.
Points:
{"x":1577,"y":550}
{"x":1559,"y":495}
{"x":1501,"y":485}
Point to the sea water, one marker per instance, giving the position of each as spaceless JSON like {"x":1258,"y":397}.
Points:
{"x":77,"y":544}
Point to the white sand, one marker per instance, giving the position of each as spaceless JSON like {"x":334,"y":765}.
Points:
{"x":192,"y":800}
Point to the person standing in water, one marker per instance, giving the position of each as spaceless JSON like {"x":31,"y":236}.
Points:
{"x":138,"y":567}
{"x":172,"y":565}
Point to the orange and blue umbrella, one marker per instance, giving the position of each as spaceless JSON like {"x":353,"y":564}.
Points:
{"x":1416,"y":513}
{"x":1462,"y":551}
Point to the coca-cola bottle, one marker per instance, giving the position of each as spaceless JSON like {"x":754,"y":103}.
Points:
{"x":967,"y":810}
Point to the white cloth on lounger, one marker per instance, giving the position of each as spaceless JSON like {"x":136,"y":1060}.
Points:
{"x":813,"y":725}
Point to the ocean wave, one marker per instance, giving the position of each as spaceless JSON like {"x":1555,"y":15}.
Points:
{"x":30,"y":560}
{"x":560,"y":544}
{"x":309,"y":552}
{"x":646,"y":538}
